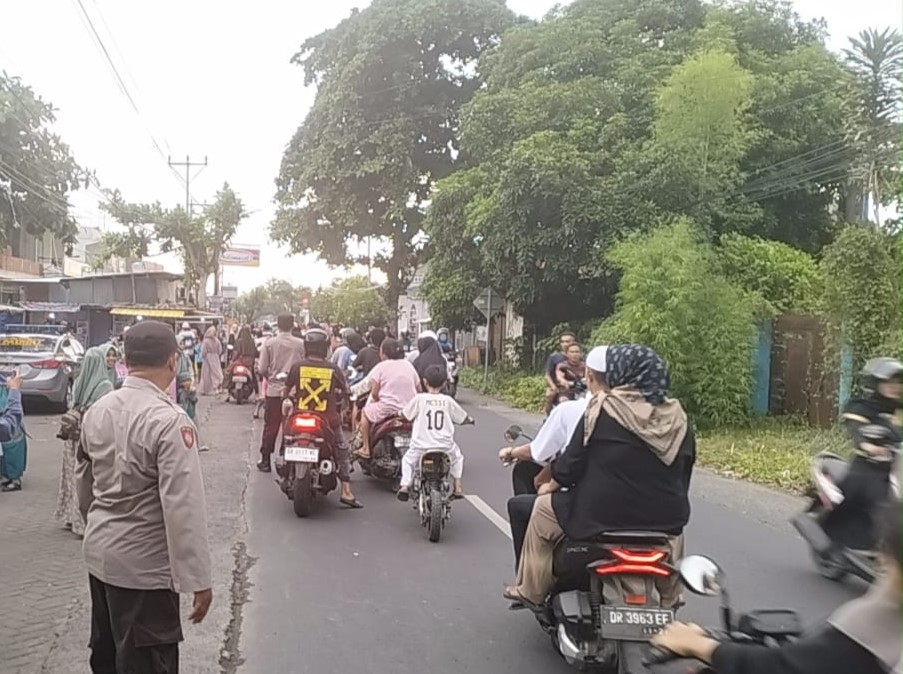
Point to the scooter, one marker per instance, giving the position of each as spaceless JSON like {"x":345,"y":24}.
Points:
{"x":828,"y":471}
{"x":389,"y":440}
{"x":605,"y":606}
{"x":451,"y":387}
{"x":242,"y":383}
{"x":701,"y":575}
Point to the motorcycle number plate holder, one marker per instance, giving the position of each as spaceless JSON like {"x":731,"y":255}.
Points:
{"x":239,"y":379}
{"x":302,"y":454}
{"x":633,"y":624}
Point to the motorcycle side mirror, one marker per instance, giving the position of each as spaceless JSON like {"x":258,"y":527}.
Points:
{"x":513,"y":432}
{"x":702,"y":575}
{"x":874,"y":433}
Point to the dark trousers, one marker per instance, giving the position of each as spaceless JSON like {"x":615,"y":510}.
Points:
{"x":522,"y":475}
{"x":133,"y":631}
{"x":520,"y":508}
{"x":272,"y":423}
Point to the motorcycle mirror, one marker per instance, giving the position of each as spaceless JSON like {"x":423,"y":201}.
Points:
{"x":874,"y":433}
{"x":513,"y":432}
{"x":701,"y":575}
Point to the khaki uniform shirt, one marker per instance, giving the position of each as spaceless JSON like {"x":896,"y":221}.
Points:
{"x":140,"y":483}
{"x":279,"y":353}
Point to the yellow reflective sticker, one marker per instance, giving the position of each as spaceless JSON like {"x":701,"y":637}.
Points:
{"x":313,"y":383}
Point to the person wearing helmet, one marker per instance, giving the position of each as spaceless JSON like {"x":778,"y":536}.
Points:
{"x":343,"y":355}
{"x":315,"y":384}
{"x":444,"y":341}
{"x":867,"y":485}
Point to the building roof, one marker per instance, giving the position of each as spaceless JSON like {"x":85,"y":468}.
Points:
{"x":166,"y":275}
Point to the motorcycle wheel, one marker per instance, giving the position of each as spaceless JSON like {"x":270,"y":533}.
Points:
{"x":240,"y":396}
{"x":435,"y":506}
{"x":302,"y":493}
{"x":828,"y":567}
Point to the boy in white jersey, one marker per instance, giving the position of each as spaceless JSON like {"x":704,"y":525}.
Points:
{"x":434,"y":415}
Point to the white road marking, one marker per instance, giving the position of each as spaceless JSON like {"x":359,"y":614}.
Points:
{"x":486,"y":511}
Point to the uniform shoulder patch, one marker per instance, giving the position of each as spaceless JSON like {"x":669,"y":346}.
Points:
{"x":188,"y":436}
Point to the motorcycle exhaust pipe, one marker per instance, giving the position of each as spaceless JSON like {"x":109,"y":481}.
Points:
{"x":811,"y":531}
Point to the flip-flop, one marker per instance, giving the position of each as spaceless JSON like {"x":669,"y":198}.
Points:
{"x":518,"y":601}
{"x":458,"y":495}
{"x":353,"y":504}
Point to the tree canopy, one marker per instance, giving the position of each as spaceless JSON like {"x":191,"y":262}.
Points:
{"x":200,"y":239}
{"x":383,"y":128}
{"x":37,"y":170}
{"x":354,"y":302}
{"x":612,"y":116}
{"x":270,"y":299}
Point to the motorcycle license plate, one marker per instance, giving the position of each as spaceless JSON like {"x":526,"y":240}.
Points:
{"x":239,"y":380}
{"x":633,"y":624}
{"x":302,"y":454}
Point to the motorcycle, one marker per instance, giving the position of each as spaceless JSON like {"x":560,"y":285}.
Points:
{"x":389,"y":440}
{"x":604,"y":606}
{"x":828,"y":471}
{"x":451,"y":388}
{"x":432,"y":493}
{"x":352,"y":376}
{"x":241,"y":385}
{"x":702,"y":576}
{"x":305,"y":463}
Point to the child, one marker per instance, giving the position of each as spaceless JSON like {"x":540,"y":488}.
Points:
{"x":187,"y":395}
{"x":434,"y":415}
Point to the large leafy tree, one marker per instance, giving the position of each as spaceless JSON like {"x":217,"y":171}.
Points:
{"x":270,"y":299}
{"x":383,"y":128}
{"x":37,"y":170}
{"x":354,"y":302}
{"x":200,"y":239}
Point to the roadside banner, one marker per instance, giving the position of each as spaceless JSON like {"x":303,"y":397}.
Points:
{"x":240,"y":256}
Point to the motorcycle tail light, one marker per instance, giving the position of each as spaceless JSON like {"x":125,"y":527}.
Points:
{"x":635,"y":599}
{"x":304,"y":423}
{"x":241,"y":370}
{"x":645,"y":562}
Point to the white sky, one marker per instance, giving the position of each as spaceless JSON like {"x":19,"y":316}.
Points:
{"x":214,"y":78}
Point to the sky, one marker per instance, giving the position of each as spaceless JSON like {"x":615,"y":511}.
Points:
{"x":214,"y":79}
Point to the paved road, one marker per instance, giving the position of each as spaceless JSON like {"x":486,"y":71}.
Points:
{"x":365,"y":591}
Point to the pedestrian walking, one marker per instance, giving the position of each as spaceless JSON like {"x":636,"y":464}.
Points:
{"x":212,"y":372}
{"x":94,"y":381}
{"x":141,"y":488}
{"x":13,"y":439}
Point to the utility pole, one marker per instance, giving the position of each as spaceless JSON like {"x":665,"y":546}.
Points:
{"x":188,"y":165}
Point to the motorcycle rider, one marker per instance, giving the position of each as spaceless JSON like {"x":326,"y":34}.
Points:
{"x":866,"y":485}
{"x":569,"y":371}
{"x":315,"y":384}
{"x":444,"y":341}
{"x":566,"y":339}
{"x":862,"y":636}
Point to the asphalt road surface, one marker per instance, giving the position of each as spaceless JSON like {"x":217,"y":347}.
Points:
{"x":364,"y":591}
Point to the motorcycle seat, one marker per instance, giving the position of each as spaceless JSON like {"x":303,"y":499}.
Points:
{"x":835,"y":468}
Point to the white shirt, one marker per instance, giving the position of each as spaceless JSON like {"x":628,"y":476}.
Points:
{"x":434,"y":416}
{"x":556,"y":432}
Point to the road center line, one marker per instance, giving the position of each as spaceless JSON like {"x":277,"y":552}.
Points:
{"x":486,"y":511}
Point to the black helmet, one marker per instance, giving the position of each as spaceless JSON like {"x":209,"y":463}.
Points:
{"x":879,"y":370}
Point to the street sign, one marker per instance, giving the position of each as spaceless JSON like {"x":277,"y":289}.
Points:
{"x":489,"y":302}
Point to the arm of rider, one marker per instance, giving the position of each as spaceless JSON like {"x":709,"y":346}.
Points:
{"x":509,"y":454}
{"x":543,"y":476}
{"x":548,"y":487}
{"x":374,"y":391}
{"x":854,"y":424}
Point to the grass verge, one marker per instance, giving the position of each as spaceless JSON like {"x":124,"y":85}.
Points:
{"x":770,"y":451}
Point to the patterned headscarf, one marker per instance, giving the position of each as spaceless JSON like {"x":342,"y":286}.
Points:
{"x":638,"y":367}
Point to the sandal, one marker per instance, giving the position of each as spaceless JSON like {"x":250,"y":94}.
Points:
{"x":518,"y":601}
{"x":354,"y":504}
{"x":458,"y":495}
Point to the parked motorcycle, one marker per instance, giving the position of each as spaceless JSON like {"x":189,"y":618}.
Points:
{"x":701,"y":575}
{"x":835,"y":561}
{"x":604,"y":606}
{"x":451,"y":387}
{"x":389,"y":440}
{"x":305,"y":463}
{"x":433,"y":491}
{"x":241,"y":385}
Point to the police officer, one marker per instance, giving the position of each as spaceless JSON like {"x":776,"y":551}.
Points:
{"x":141,"y":489}
{"x":317,"y":385}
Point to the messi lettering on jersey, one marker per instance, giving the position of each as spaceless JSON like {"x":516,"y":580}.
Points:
{"x":314,"y":385}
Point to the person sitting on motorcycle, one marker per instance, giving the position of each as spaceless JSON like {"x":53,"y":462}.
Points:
{"x":393,"y":384}
{"x":534,"y":467}
{"x":552,"y":390}
{"x":368,"y":357}
{"x":244,"y":352}
{"x":307,"y":389}
{"x":570,"y":371}
{"x":434,"y":416}
{"x":867,"y":483}
{"x":862,"y":636}
{"x":627,"y":467}
{"x":445,"y":344}
{"x":428,"y":353}
{"x":343,"y":354}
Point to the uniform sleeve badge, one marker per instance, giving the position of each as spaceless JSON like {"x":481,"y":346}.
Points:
{"x":188,"y":436}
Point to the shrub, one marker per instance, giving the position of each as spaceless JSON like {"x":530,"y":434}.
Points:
{"x":673,"y":298}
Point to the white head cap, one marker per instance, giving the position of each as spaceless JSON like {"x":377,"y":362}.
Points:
{"x":185,"y":326}
{"x":597,"y":359}
{"x":427,"y":333}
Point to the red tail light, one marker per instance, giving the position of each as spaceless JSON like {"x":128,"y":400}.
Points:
{"x":634,"y":562}
{"x":51,"y":364}
{"x":240,"y":370}
{"x":303,"y":423}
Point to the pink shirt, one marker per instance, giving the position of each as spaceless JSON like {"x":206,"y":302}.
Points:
{"x":398,"y":381}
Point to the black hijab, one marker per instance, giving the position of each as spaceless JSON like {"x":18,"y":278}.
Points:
{"x":430,"y":353}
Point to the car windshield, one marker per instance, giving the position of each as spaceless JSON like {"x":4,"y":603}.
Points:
{"x":27,"y":343}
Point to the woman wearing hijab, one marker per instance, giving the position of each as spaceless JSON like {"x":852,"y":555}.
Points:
{"x":428,"y":353}
{"x":212,"y":372}
{"x":95,"y":379}
{"x":626,"y":468}
{"x":244,"y":352}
